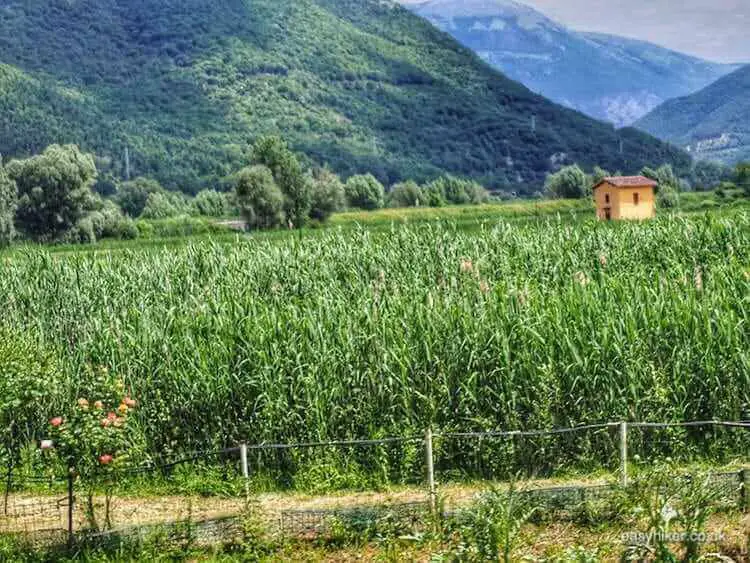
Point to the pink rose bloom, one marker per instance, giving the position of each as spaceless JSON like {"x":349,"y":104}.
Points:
{"x":57,"y":421}
{"x":105,"y":459}
{"x":47,"y":444}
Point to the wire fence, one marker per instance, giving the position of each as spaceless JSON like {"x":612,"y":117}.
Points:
{"x":207,"y":494}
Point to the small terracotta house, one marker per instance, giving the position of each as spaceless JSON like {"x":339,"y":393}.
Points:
{"x":625,"y":197}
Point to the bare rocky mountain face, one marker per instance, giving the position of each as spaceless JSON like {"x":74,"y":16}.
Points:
{"x":611,"y":78}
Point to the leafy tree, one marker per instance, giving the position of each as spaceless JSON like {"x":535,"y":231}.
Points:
{"x":707,"y":175}
{"x":163,"y":205}
{"x":598,"y":175}
{"x":54,"y":191}
{"x":570,"y":182}
{"x":406,"y":194}
{"x":105,"y":221}
{"x":433,"y":194}
{"x":454,"y":190}
{"x":668,"y":185}
{"x":274,"y":154}
{"x":211,"y":203}
{"x":327,"y":194}
{"x":8,"y":204}
{"x":260,"y":200}
{"x":106,"y":184}
{"x":365,"y":192}
{"x":132,"y":196}
{"x":457,"y":191}
{"x":742,"y":177}
{"x":476,"y":193}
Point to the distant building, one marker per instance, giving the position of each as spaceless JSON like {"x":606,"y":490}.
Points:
{"x":625,"y":197}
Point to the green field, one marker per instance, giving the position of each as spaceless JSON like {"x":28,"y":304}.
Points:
{"x":365,"y":332}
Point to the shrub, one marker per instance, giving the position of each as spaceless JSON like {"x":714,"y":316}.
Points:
{"x":106,"y":221}
{"x":433,"y":194}
{"x":132,"y":196}
{"x":259,"y":198}
{"x":163,"y":205}
{"x":489,"y":529}
{"x":570,"y":182}
{"x":668,"y":188}
{"x":406,"y":194}
{"x":95,"y":437}
{"x":30,"y":384}
{"x":210,"y":203}
{"x":662,"y":500}
{"x":365,"y":192}
{"x":181,"y":226}
{"x":327,"y":194}
{"x":456,"y":191}
{"x":476,"y":193}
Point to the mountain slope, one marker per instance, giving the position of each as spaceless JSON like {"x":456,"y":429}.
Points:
{"x":608,"y":77}
{"x":187,"y":85}
{"x":713,"y":124}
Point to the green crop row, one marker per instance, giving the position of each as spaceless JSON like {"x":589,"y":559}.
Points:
{"x":364,"y":334}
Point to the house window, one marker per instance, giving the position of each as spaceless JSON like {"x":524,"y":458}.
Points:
{"x":636,"y":198}
{"x":606,"y":198}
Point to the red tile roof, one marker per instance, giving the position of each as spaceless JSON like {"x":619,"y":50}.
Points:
{"x":628,"y":181}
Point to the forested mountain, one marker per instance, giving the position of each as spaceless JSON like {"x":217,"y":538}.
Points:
{"x":364,"y":85}
{"x":713,"y":124}
{"x":608,"y":77}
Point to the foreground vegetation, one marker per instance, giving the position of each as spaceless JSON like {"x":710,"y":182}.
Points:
{"x":364,"y":334}
{"x":659,"y":517}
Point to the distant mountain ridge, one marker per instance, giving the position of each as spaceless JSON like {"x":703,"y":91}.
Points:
{"x":362,"y":85}
{"x":712,"y":124}
{"x":611,"y":78}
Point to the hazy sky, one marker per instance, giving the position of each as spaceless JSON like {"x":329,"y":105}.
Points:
{"x":714,"y":29}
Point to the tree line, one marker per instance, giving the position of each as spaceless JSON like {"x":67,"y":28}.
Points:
{"x":57,"y":196}
{"x":572,"y":182}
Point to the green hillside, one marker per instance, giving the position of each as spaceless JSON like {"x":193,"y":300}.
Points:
{"x":712,"y":123}
{"x":364,"y":85}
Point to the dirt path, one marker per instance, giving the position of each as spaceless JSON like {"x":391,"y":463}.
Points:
{"x":30,"y":513}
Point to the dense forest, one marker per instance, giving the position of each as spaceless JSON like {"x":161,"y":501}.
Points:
{"x":187,"y":86}
{"x":711,"y":123}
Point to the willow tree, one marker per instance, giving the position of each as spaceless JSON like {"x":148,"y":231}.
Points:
{"x":54,"y":191}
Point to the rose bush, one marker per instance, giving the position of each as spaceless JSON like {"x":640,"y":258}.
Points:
{"x":93,"y":440}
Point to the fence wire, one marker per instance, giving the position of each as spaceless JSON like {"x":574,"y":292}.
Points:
{"x":203,"y":494}
{"x":34,"y":509}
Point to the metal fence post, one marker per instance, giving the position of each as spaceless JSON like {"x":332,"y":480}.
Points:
{"x":430,"y":470}
{"x":71,"y":505}
{"x":245,"y":470}
{"x":624,"y":454}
